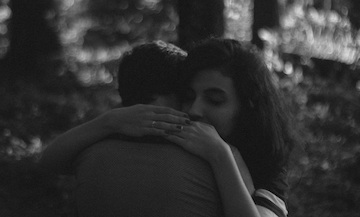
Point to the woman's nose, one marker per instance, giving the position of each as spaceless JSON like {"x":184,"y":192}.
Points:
{"x":195,"y":111}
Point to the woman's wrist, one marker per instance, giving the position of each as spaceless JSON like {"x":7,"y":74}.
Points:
{"x":105,"y":123}
{"x":223,"y":152}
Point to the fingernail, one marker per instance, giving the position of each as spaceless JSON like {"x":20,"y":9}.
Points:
{"x":179,"y":127}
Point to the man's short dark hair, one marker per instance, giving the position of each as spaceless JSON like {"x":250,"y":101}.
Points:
{"x":147,"y":70}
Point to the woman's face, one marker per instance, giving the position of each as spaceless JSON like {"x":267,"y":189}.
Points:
{"x":212,"y":99}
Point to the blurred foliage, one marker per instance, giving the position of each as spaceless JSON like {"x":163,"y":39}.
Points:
{"x":25,"y":190}
{"x":239,"y":19}
{"x":58,"y":61}
{"x":307,"y":31}
{"x":96,"y":33}
{"x":324,"y":173}
{"x":315,"y":54}
{"x":40,"y":98}
{"x":199,"y":20}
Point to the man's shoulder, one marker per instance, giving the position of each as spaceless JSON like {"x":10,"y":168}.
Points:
{"x":121,"y":151}
{"x":126,"y":142}
{"x":142,"y":155}
{"x":139,"y":149}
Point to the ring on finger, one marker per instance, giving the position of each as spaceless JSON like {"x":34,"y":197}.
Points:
{"x":153,"y":124}
{"x":179,"y":127}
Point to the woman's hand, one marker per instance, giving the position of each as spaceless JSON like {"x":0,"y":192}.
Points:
{"x":200,"y":139}
{"x":140,"y":120}
{"x":203,"y":140}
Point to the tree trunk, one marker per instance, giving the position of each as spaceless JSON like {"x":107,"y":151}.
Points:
{"x":354,"y":14}
{"x":33,"y":41}
{"x":198,"y":20}
{"x":266,"y":15}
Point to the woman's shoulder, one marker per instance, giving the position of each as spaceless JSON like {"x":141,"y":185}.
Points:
{"x":271,"y":196}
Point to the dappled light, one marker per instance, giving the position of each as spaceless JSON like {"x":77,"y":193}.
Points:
{"x":239,"y":19}
{"x":318,"y":33}
{"x":94,"y":41}
{"x":5,"y":14}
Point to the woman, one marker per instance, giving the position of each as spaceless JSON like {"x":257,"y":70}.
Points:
{"x":230,"y":99}
{"x":231,"y":89}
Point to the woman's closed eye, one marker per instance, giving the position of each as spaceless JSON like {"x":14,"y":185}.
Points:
{"x":215,"y":97}
{"x":215,"y":100}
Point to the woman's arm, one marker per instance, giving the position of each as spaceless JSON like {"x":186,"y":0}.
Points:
{"x":243,"y":169}
{"x":131,"y":121}
{"x":203,"y":140}
{"x":235,"y":196}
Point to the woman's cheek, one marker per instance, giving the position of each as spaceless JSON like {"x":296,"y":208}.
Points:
{"x":221,"y":124}
{"x":225,"y":121}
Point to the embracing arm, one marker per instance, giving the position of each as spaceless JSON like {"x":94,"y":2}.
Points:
{"x":235,"y":196}
{"x":202,"y":139}
{"x":131,"y":121}
{"x":58,"y":156}
{"x":267,"y":203}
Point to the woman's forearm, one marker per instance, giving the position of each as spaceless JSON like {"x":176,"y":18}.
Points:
{"x":58,"y":156}
{"x":137,"y":120}
{"x":203,"y":140}
{"x":235,"y":196}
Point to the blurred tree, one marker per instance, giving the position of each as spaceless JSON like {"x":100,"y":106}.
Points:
{"x":34,"y":45}
{"x":266,"y":16}
{"x":354,"y":13}
{"x":34,"y":80}
{"x":125,"y":21}
{"x":39,"y":98}
{"x":322,"y":82}
{"x":199,"y":20}
{"x":329,"y":105}
{"x":99,"y":31}
{"x":350,"y":8}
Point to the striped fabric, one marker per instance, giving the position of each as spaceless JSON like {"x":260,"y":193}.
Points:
{"x":269,"y":204}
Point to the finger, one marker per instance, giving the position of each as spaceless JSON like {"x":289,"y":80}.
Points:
{"x":167,"y":126}
{"x":180,"y":134}
{"x":162,"y":128}
{"x":155,"y":132}
{"x":175,"y":139}
{"x":199,"y":123}
{"x":169,"y":118}
{"x":166,"y":110}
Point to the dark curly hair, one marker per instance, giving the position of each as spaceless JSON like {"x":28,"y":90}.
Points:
{"x":262,"y":132}
{"x":147,"y":70}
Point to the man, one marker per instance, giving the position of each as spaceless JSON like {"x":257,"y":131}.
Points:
{"x":138,"y":176}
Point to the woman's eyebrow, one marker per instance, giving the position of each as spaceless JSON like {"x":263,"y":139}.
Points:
{"x":215,"y":90}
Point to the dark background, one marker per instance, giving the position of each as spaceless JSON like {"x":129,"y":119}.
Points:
{"x":58,"y":61}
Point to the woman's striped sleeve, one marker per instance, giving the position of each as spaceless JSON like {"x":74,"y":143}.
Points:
{"x":269,"y":204}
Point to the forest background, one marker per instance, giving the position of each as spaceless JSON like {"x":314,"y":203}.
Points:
{"x":58,"y":62}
